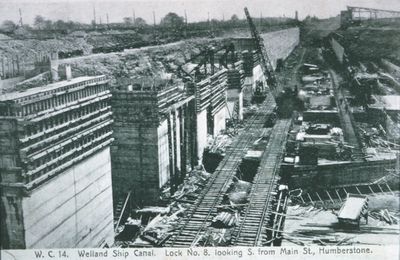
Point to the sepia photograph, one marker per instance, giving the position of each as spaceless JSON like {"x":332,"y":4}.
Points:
{"x":183,"y":128}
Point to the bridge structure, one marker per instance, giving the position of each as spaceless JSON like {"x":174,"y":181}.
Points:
{"x":359,"y":14}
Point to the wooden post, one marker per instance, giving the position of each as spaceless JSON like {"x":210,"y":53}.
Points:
{"x":9,"y":69}
{"x":337,"y":193}
{"x":3,"y":71}
{"x":24,"y":68}
{"x":319,"y":197}
{"x":369,"y":186}
{"x":389,"y":188}
{"x":379,"y":186}
{"x":310,"y":198}
{"x":18,"y":67}
{"x":13,"y":67}
{"x":329,"y":196}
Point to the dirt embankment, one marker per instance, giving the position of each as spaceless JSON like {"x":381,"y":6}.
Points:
{"x":372,"y":44}
{"x":134,"y":63}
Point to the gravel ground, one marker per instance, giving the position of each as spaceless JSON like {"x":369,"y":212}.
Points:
{"x":307,"y":225}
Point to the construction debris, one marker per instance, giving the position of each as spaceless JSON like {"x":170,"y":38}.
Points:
{"x":225,"y":220}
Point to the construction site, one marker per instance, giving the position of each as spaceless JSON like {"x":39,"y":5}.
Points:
{"x":250,"y":133}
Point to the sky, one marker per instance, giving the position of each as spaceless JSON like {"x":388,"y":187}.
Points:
{"x":197,"y":10}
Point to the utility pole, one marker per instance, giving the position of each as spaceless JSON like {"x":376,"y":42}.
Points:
{"x":94,"y":16}
{"x":154,"y":24}
{"x":20,"y":17}
{"x":108,"y":21}
{"x":186,"y":24}
{"x":210,"y":24}
{"x":186,"y":21}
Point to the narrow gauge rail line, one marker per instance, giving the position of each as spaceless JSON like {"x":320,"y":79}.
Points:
{"x":203,"y":210}
{"x":251,"y":230}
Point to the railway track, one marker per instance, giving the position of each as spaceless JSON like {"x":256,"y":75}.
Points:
{"x":253,"y":222}
{"x":203,"y":210}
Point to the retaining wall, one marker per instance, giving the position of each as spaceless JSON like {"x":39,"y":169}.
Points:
{"x":339,"y":174}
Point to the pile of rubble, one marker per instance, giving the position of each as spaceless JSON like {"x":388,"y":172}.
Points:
{"x":218,"y":144}
{"x":151,"y":226}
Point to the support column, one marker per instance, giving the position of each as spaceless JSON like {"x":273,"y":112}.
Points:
{"x":177,"y":145}
{"x":240,"y":111}
{"x":171,"y":153}
{"x":3,"y":70}
{"x":183,"y":142}
{"x":191,"y":128}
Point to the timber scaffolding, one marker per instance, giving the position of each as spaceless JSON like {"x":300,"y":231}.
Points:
{"x":163,"y":94}
{"x":261,"y":222}
{"x":210,"y":92}
{"x":204,"y":209}
{"x":54,"y":127}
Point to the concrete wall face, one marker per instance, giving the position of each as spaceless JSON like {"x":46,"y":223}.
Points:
{"x":135,"y":162}
{"x":258,"y":75}
{"x":219,"y":121}
{"x":232,"y":96}
{"x":201,"y":135}
{"x":280,"y":44}
{"x":177,"y":140}
{"x":163,"y":153}
{"x":74,"y":209}
{"x":338,"y":49}
{"x":248,"y":89}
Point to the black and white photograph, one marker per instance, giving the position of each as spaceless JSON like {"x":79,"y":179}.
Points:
{"x":199,"y":129}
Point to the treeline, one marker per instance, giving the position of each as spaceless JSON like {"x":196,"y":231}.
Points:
{"x":173,"y":24}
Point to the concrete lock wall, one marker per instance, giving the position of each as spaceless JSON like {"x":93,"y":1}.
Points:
{"x":234,"y":96}
{"x":247,"y":90}
{"x":201,"y":134}
{"x":177,"y":140}
{"x":163,"y":153}
{"x":338,"y":49}
{"x":219,"y":121}
{"x":74,"y":209}
{"x":281,"y":43}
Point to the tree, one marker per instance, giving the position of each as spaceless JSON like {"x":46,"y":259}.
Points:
{"x":234,"y":18}
{"x":140,"y":22}
{"x":38,"y":22}
{"x":127,"y":20}
{"x":173,"y":21}
{"x":48,"y":25}
{"x":8,"y":26}
{"x":60,"y":25}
